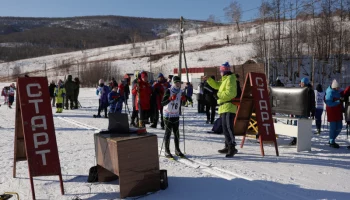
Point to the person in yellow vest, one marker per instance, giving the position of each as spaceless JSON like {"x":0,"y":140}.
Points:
{"x":60,"y":92}
{"x":227,"y":90}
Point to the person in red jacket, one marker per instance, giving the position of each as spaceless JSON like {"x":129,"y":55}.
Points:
{"x":159,"y":88}
{"x":142,"y":91}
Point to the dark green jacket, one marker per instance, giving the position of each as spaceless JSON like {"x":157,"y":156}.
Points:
{"x":70,"y":86}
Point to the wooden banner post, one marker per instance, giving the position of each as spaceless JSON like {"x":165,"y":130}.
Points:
{"x":35,"y":138}
{"x":255,"y":97}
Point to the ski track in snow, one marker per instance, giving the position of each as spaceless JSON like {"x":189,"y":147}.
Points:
{"x":320,"y":174}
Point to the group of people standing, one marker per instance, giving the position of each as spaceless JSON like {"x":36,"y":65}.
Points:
{"x":65,"y":94}
{"x":333,"y":99}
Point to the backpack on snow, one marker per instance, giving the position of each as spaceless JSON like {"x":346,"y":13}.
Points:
{"x":217,"y":127}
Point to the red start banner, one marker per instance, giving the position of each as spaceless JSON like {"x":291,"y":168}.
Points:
{"x":262,"y":107}
{"x":34,"y":115}
{"x":38,"y":127}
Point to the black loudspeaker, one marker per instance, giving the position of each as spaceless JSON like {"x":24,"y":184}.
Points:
{"x":163,"y":179}
{"x":292,"y":101}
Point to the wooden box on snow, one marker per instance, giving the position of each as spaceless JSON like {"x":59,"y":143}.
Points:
{"x":134,"y":158}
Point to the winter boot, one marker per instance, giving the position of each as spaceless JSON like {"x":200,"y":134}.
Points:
{"x":334,"y":145}
{"x":153,"y":126}
{"x":179,"y":153}
{"x":168,"y":154}
{"x":231,"y":151}
{"x":318,"y":131}
{"x":224,"y":150}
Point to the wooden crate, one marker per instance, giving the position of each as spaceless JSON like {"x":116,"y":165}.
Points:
{"x":133,"y":158}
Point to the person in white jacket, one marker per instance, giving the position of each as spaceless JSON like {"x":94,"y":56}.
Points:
{"x":11,"y":94}
{"x":319,"y":99}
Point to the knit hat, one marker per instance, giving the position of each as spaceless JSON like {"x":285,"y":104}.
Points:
{"x":101,"y":81}
{"x":225,"y":67}
{"x":305,"y":81}
{"x":160,"y":75}
{"x":176,"y":79}
{"x":335,"y":84}
{"x":144,"y":74}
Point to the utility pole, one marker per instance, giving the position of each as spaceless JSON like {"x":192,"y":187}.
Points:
{"x":150,"y":63}
{"x":78,"y":70}
{"x":180,"y":47}
{"x":183,"y":48}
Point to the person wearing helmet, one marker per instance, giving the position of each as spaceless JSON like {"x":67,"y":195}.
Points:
{"x":60,"y":92}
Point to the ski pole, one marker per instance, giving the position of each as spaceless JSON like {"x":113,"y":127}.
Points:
{"x":183,"y":129}
{"x":161,"y":148}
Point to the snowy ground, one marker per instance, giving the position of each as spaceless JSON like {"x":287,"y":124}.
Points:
{"x":322,"y":173}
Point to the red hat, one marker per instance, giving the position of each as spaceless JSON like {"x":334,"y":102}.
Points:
{"x":144,"y":74}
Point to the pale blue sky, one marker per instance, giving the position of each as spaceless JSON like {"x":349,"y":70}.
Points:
{"x":191,"y":9}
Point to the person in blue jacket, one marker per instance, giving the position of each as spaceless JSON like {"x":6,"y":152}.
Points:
{"x":334,"y":107}
{"x":103,"y":92}
{"x":189,"y":93}
{"x":116,"y":99}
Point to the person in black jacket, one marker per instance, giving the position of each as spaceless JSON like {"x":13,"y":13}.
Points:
{"x":76,"y":92}
{"x":52,"y":87}
{"x":209,"y":96}
{"x":311,"y":104}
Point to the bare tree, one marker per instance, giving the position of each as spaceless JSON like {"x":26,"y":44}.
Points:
{"x":211,"y":20}
{"x":233,"y":13}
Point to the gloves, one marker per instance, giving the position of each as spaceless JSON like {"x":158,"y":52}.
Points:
{"x":172,"y":98}
{"x":183,"y":98}
{"x":63,"y":94}
{"x":341,"y":98}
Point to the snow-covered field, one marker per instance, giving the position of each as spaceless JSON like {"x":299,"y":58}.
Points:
{"x":322,"y":173}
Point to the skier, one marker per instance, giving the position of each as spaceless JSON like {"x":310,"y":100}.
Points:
{"x":210,"y":100}
{"x":142,"y":91}
{"x":319,"y":95}
{"x":159,"y":88}
{"x":70,"y":86}
{"x":11,"y":94}
{"x":103,"y":92}
{"x":172,"y":101}
{"x":334,"y":107}
{"x":52,"y":87}
{"x":227,"y":90}
{"x":116,"y":99}
{"x":304,"y":82}
{"x":60,"y":92}
{"x":76,"y":92}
